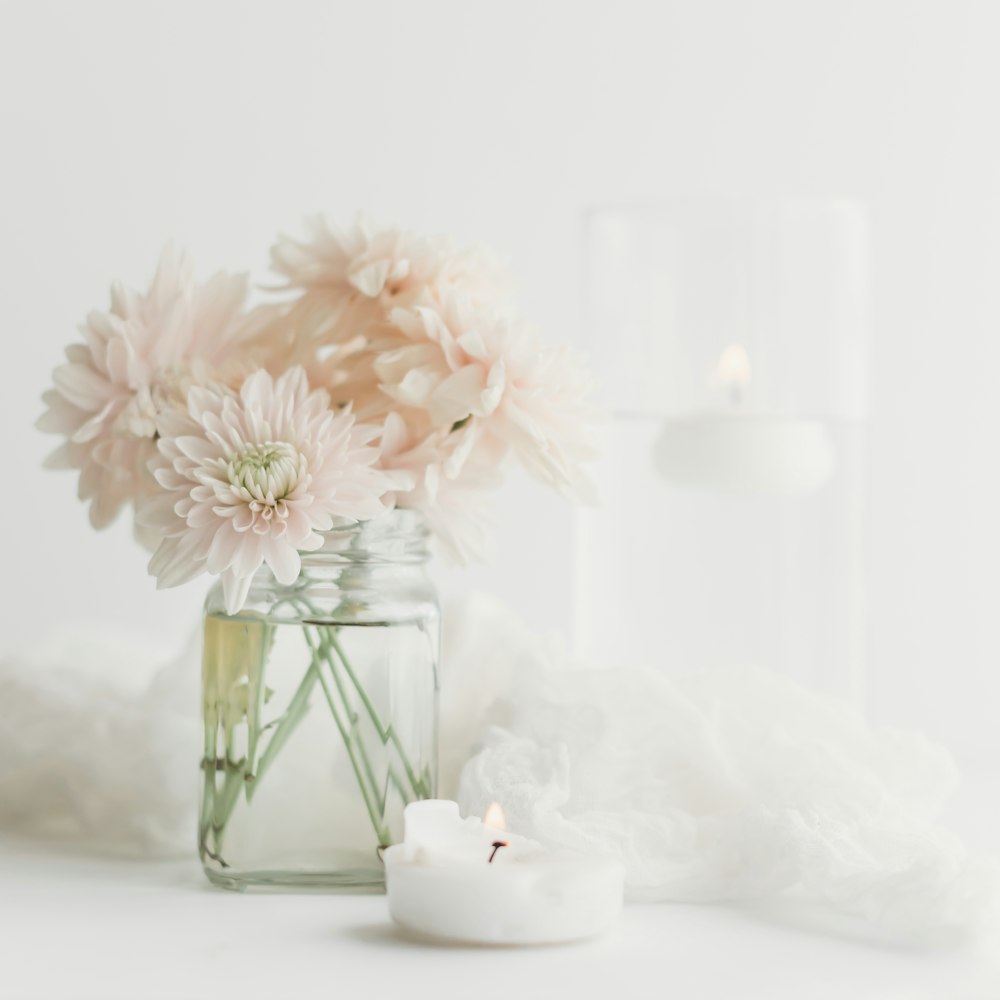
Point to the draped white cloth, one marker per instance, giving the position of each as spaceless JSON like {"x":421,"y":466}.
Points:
{"x":100,"y":742}
{"x":728,"y":785}
{"x":731,"y":784}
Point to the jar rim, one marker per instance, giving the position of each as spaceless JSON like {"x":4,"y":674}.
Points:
{"x":398,"y":535}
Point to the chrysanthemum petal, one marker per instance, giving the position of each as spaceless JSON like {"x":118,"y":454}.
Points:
{"x":284,"y":562}
{"x":235,"y":589}
{"x":134,"y":366}
{"x":255,"y":474}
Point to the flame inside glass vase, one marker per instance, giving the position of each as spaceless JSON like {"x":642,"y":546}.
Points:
{"x":732,"y":338}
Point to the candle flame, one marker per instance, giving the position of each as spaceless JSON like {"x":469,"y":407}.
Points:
{"x":733,"y":369}
{"x":494,"y":817}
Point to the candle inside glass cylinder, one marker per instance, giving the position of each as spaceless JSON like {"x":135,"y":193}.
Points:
{"x":745,"y":453}
{"x":470,"y":881}
{"x":731,"y":336}
{"x":737,"y":450}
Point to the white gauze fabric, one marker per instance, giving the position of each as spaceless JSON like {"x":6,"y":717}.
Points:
{"x":100,"y":743}
{"x":727,"y":785}
{"x":737,"y":784}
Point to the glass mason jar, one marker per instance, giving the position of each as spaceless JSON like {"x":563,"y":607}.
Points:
{"x":320,"y":708}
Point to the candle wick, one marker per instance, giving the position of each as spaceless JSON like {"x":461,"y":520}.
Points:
{"x":497,"y":844}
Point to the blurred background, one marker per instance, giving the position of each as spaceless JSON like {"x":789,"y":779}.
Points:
{"x":220,"y":124}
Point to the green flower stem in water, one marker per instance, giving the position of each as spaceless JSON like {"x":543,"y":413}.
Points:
{"x":208,"y":793}
{"x":387,"y":734}
{"x":235,"y":771}
{"x":354,"y":750}
{"x":327,"y":657}
{"x":328,"y":638}
{"x":284,"y":727}
{"x":256,"y":696}
{"x":420,"y":786}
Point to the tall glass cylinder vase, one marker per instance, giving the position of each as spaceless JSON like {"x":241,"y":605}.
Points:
{"x":320,"y":707}
{"x":732,"y":338}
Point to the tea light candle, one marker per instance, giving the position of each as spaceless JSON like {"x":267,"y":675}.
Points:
{"x":745,"y":453}
{"x":740,"y":451}
{"x":469,"y":881}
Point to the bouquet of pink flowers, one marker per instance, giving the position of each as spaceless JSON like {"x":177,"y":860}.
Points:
{"x":383,"y":369}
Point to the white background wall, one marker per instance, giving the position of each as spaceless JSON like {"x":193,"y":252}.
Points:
{"x":220,"y":123}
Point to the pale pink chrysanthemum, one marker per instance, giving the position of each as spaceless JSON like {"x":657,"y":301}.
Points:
{"x":450,"y":477}
{"x":462,"y":362}
{"x":253,"y":477}
{"x":350,"y":279}
{"x":344,"y":369}
{"x":137,"y":357}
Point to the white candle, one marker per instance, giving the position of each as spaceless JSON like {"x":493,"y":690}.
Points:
{"x":740,"y":451}
{"x":466,"y":880}
{"x":745,"y":453}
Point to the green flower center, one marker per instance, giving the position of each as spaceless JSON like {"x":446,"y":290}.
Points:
{"x":268,"y":471}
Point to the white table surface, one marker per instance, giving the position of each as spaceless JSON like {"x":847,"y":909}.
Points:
{"x":78,"y":926}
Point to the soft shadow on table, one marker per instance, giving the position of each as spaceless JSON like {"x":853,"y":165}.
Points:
{"x":388,"y":935}
{"x":382,"y":935}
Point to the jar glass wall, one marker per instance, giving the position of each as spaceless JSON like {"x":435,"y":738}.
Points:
{"x":320,"y":710}
{"x":732,"y":339}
